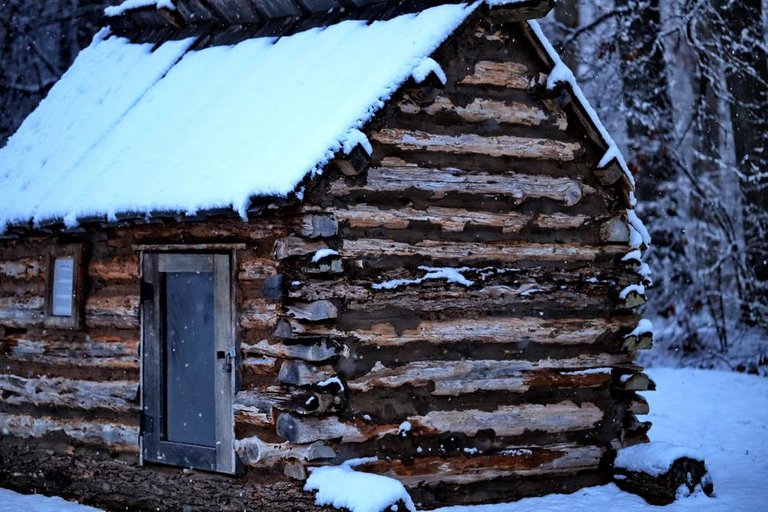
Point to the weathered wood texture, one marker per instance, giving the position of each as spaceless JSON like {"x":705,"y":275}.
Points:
{"x":466,"y":326}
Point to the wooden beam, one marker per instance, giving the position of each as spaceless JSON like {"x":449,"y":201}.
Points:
{"x":473,"y":144}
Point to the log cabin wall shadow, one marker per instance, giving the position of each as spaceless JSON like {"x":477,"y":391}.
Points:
{"x":448,"y":304}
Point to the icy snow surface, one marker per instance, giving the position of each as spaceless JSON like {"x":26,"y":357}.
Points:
{"x":117,"y":10}
{"x":721,"y":415}
{"x":342,"y":486}
{"x":130,"y":130}
{"x":654,"y":458}
{"x":14,"y":502}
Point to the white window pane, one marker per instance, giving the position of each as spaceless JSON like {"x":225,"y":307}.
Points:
{"x":63,"y":274}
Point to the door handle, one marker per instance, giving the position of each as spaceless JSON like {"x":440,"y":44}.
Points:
{"x":228,"y":357}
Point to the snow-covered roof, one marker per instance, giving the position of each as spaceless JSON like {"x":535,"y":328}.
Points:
{"x":128,"y":129}
{"x":132,"y":130}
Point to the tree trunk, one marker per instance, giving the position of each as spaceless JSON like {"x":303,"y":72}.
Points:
{"x":746,"y":78}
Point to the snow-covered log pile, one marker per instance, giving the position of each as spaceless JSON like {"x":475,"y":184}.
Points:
{"x":447,"y":299}
{"x":662,"y":472}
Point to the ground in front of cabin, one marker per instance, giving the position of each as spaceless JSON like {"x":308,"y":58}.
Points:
{"x":722,"y":415}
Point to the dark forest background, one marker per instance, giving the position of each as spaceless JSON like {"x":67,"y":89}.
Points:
{"x":682,"y":85}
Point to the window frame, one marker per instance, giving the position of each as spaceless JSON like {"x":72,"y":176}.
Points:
{"x":76,"y":251}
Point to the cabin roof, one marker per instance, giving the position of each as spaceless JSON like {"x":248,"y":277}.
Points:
{"x":137,"y":128}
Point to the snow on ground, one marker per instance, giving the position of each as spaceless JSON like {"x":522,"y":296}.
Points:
{"x":721,"y":415}
{"x":14,"y":502}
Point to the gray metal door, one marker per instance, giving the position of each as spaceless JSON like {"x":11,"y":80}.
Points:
{"x":187,"y":361}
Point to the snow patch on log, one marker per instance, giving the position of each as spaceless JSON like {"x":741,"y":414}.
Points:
{"x":451,"y":275}
{"x":561,"y":73}
{"x":425,"y":68}
{"x":344,"y":488}
{"x":119,"y":10}
{"x":356,"y":138}
{"x":653,"y":458}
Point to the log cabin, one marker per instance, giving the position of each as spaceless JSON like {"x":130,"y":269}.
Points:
{"x":244,"y":238}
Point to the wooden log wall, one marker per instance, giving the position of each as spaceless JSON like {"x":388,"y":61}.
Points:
{"x":461,"y":317}
{"x":449,"y":304}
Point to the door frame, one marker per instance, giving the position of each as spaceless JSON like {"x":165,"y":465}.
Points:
{"x":153,"y":448}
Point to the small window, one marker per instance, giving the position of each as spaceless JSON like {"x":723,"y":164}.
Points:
{"x":64,"y":286}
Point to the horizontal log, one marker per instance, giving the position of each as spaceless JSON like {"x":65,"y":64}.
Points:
{"x":481,"y":110}
{"x":315,"y":352}
{"x":490,"y":284}
{"x":470,"y":252}
{"x":118,"y":396}
{"x":300,"y":430}
{"x":511,"y":75}
{"x":316,"y":225}
{"x":473,"y":144}
{"x":23,"y":268}
{"x":119,"y":311}
{"x":636,"y":382}
{"x":34,"y":344}
{"x":505,"y":421}
{"x":487,"y":330}
{"x":22,"y":311}
{"x":313,"y":311}
{"x":438,"y":296}
{"x":233,"y":228}
{"x":300,"y":401}
{"x":451,"y":220}
{"x":259,"y":314}
{"x":296,"y":246}
{"x":301,"y":373}
{"x":639,"y":405}
{"x":512,"y":420}
{"x":439,"y":182}
{"x":119,"y":437}
{"x":254,"y":452}
{"x":453,"y":378}
{"x":255,"y":269}
{"x":124,"y":267}
{"x":523,"y":461}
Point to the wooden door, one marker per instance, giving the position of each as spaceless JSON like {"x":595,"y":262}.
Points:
{"x":188,"y":358}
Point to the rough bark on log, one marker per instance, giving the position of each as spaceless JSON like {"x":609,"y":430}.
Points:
{"x":440,"y":182}
{"x":511,"y":75}
{"x":473,"y":144}
{"x":118,"y":437}
{"x":314,"y":353}
{"x":487,"y":330}
{"x":452,"y":378}
{"x":469,"y":252}
{"x":118,"y":396}
{"x":519,"y":462}
{"x":481,"y":110}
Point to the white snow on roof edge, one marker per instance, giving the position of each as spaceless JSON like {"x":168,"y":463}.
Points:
{"x":127,"y":5}
{"x":561,"y":73}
